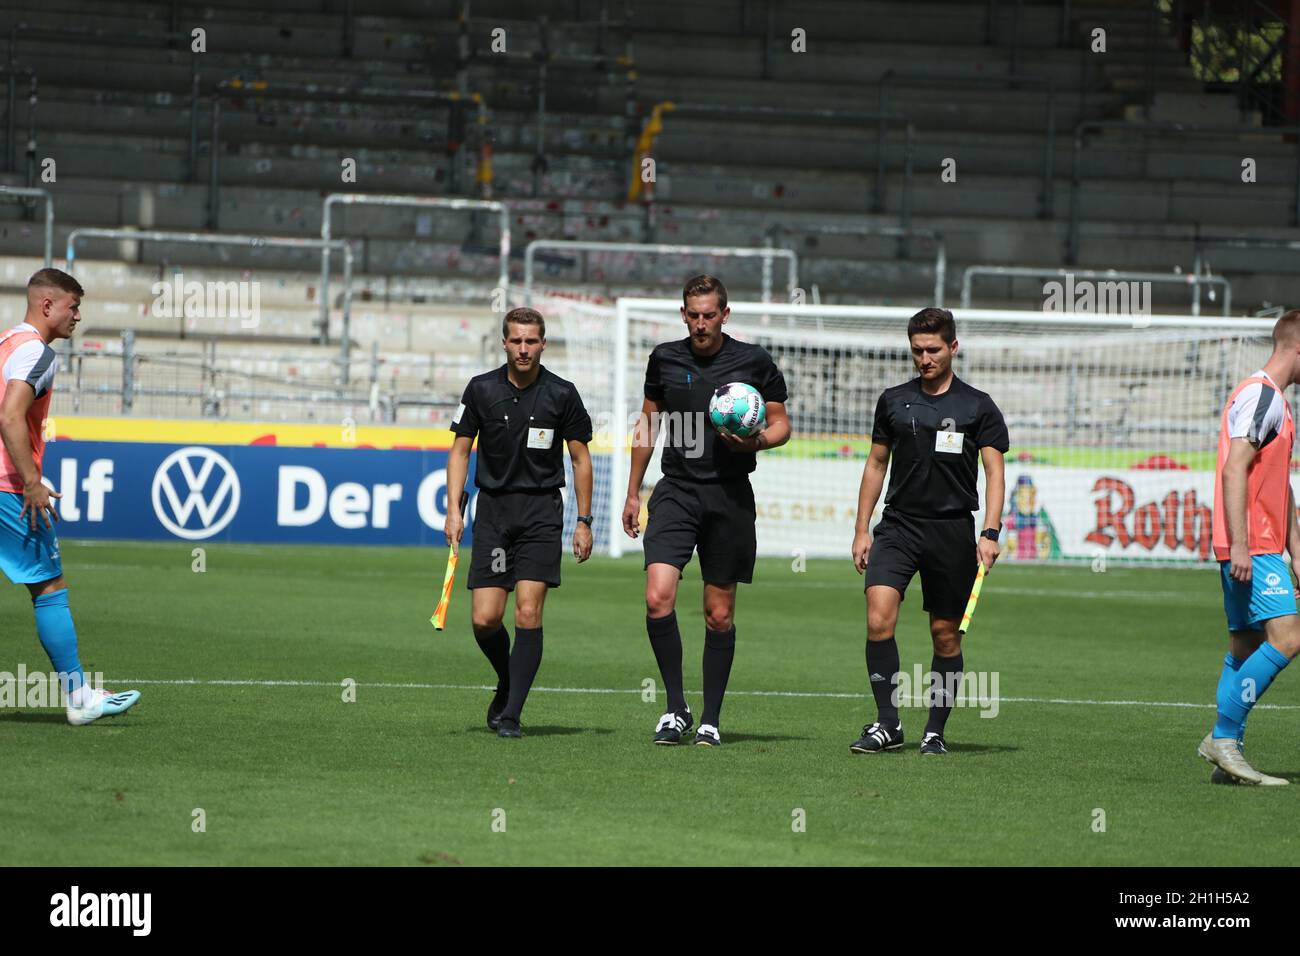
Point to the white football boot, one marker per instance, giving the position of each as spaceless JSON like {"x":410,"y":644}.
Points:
{"x":1225,"y":753}
{"x":97,"y":703}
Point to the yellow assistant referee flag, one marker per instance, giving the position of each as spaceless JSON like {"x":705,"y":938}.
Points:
{"x":974,"y":598}
{"x":439,"y":619}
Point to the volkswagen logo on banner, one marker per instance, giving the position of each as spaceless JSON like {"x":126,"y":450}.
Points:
{"x":185,"y":487}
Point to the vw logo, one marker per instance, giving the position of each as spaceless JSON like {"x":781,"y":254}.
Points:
{"x":214,"y":499}
{"x":1273,"y":579}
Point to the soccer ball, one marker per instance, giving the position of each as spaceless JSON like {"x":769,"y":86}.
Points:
{"x":737,"y":408}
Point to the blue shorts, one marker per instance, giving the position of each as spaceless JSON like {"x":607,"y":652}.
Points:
{"x":26,"y":556}
{"x":1269,"y":593}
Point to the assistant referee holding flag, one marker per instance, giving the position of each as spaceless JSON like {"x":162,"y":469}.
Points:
{"x":704,"y":499}
{"x":521,"y":413}
{"x":935,"y":426}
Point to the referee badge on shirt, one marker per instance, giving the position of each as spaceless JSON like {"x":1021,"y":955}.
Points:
{"x":949,"y":442}
{"x":541,"y":437}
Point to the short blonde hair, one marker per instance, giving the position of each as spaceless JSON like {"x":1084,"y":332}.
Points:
{"x":1286,"y":331}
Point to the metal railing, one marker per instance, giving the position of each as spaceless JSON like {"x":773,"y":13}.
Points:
{"x":21,"y":193}
{"x":253,"y":242}
{"x":767,"y":253}
{"x":1200,"y":243}
{"x":1193,"y":279}
{"x":1011,"y":81}
{"x":424,"y":202}
{"x":886,"y":232}
{"x":207,"y":382}
{"x":1072,"y":239}
{"x":236,"y":89}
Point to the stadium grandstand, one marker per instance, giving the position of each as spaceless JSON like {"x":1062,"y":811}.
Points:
{"x":311,"y":212}
{"x":1129,"y":160}
{"x":1010,"y":294}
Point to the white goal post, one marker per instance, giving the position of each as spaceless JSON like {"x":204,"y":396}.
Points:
{"x":1113,"y":418}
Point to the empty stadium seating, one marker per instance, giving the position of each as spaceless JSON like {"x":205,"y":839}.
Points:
{"x":113,"y":113}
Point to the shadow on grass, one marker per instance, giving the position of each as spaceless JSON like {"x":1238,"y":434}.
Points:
{"x":553,"y":731}
{"x":545,"y":730}
{"x":760,"y":738}
{"x":34,"y":717}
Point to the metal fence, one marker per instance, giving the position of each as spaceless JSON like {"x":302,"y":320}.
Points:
{"x":230,"y":381}
{"x":765,"y":253}
{"x":1108,"y":277}
{"x":253,"y":242}
{"x":473,"y":206}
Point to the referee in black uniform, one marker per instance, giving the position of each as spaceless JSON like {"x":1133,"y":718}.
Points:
{"x":935,"y":426}
{"x":704,"y":500}
{"x":522,"y":414}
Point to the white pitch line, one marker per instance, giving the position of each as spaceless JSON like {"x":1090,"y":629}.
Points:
{"x":831,"y":695}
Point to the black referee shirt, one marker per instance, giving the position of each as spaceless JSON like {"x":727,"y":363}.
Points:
{"x":683,"y":382}
{"x":521,"y":431}
{"x":935,"y":442}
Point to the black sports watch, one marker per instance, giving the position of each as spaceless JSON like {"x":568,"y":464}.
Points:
{"x":992,"y":533}
{"x":587,"y":519}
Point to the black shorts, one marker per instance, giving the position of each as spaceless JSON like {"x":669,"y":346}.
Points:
{"x":716,"y":517}
{"x":516,"y":538}
{"x":942,"y":549}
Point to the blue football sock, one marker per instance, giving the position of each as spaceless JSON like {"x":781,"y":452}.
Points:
{"x":59,"y":636}
{"x":1239,"y":694}
{"x":1230,"y":667}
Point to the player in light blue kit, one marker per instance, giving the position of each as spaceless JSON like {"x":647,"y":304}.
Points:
{"x":29,"y":549}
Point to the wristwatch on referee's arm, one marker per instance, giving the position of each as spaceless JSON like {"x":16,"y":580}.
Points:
{"x":587,"y":519}
{"x":992,"y":533}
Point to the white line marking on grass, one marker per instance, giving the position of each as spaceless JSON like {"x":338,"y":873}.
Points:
{"x":830,"y":695}
{"x":1182,"y":597}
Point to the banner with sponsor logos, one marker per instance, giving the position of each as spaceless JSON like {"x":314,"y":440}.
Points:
{"x":249,"y":493}
{"x":239,"y":482}
{"x":1051,"y":513}
{"x":199,"y":481}
{"x":1164,"y":514}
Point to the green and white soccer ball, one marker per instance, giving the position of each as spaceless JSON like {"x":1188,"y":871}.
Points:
{"x":737,"y":408}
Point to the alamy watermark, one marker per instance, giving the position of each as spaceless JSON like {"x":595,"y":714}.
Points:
{"x":976,"y":689}
{"x":192,"y":299}
{"x":29,"y":691}
{"x":75,"y":908}
{"x":684,"y":430}
{"x":1091,"y":297}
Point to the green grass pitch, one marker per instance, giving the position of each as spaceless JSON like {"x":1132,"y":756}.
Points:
{"x":289,"y":773}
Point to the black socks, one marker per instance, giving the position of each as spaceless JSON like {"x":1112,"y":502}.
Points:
{"x":882,"y":669}
{"x":495,"y":646}
{"x":666,"y":642}
{"x":524,"y":661}
{"x":943,"y":686}
{"x":719,"y":650}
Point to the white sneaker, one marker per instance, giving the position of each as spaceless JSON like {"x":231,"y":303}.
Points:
{"x":100,"y":703}
{"x":1225,"y":753}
